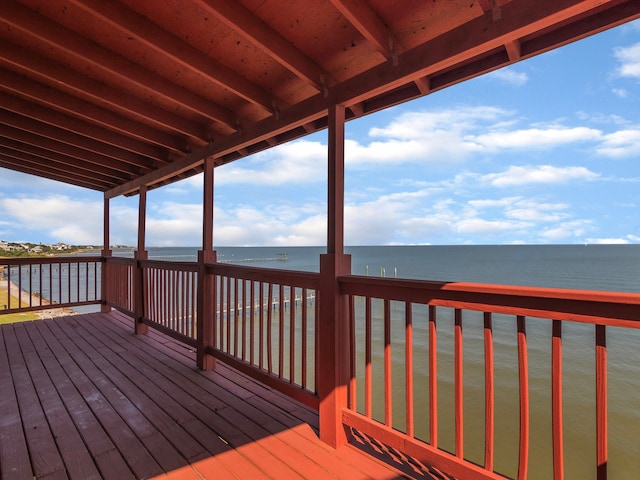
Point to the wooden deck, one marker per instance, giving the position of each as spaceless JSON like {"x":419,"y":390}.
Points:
{"x":82,"y":397}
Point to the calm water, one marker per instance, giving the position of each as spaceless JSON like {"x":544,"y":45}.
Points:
{"x":597,"y":267}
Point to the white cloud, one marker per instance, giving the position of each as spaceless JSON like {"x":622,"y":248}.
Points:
{"x":608,"y":241}
{"x":629,"y":58}
{"x":74,"y":221}
{"x":623,"y":143}
{"x":543,"y":174}
{"x":510,"y":76}
{"x":296,"y":162}
{"x":573,"y":230}
{"x":552,"y":136}
{"x":620,"y":92}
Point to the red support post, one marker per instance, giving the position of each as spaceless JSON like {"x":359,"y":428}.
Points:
{"x":333,"y":330}
{"x":334,"y":348}
{"x":106,"y":253}
{"x":206,"y":295}
{"x":141,"y":254}
{"x":206,"y":310}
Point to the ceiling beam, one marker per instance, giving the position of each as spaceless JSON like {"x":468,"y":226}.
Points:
{"x":63,"y":102}
{"x":41,"y":114}
{"x":71,"y":164}
{"x":62,"y":148}
{"x":118,"y":69}
{"x":465,"y":43}
{"x":370,"y":26}
{"x":61,"y":167}
{"x":246,"y":24}
{"x":78,"y":140}
{"x":182,"y":53}
{"x":19,"y":165}
{"x":49,"y":72}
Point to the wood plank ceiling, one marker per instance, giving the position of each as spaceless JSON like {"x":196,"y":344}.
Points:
{"x":109,"y":95}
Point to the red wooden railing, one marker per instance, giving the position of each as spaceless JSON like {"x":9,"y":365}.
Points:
{"x":404,"y":306}
{"x":445,"y":355}
{"x":46,"y":283}
{"x":170,"y":298}
{"x":265,"y":325}
{"x":265,"y":319}
{"x":119,"y":289}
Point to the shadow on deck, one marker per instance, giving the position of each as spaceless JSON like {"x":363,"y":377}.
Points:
{"x":83,"y":398}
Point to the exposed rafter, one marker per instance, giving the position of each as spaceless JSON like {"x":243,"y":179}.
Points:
{"x":253,"y":29}
{"x":369,"y":24}
{"x":180,"y":52}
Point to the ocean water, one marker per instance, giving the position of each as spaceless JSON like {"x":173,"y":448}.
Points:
{"x":613,"y":268}
{"x":591,"y":267}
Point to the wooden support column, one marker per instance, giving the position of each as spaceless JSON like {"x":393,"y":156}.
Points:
{"x":333,"y":330}
{"x":206,"y":288}
{"x":141,"y":254}
{"x":106,"y":253}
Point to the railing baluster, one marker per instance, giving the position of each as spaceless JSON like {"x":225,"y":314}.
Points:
{"x":388,"y":381}
{"x":236,"y":316}
{"x":252,"y":321}
{"x":221,"y":310}
{"x":292,"y":333}
{"x":556,"y":401}
{"x":261,"y":326}
{"x":602,"y":440}
{"x":408,"y":368}
{"x":459,"y":383}
{"x":523,"y":375}
{"x":269,"y":327}
{"x":244,"y":320}
{"x":30,"y":291}
{"x":489,"y":391}
{"x":280,"y":330}
{"x":433,"y":378}
{"x":351,"y":318}
{"x":303,"y":353}
{"x":368,"y":368}
{"x":227,"y":347}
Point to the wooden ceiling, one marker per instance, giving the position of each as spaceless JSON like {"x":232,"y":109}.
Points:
{"x":110,"y":95}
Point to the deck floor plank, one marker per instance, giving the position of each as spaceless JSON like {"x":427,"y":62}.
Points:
{"x":251,"y":420}
{"x":14,"y":454}
{"x":234,"y":423}
{"x":141,"y":462}
{"x":44,"y":454}
{"x":137,"y":407}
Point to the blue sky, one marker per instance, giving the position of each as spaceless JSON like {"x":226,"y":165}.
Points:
{"x":544,"y":152}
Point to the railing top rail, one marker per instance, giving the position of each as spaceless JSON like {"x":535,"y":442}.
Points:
{"x":609,"y":308}
{"x":13,"y":261}
{"x":169,"y":265}
{"x":267,"y":275}
{"x":120,"y":260}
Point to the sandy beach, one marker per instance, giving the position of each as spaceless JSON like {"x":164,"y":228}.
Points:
{"x":34,"y":300}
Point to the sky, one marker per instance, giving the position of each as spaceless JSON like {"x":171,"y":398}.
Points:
{"x":546,"y":151}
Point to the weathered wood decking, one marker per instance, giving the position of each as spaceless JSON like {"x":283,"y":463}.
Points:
{"x":82,"y":397}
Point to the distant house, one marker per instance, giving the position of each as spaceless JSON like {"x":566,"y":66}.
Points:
{"x":60,"y":246}
{"x":3,"y":245}
{"x":36,"y":249}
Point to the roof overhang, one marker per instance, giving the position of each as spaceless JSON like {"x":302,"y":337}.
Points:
{"x":115,"y":95}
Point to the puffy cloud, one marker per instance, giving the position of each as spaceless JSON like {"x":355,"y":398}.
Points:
{"x":573,"y":230}
{"x":629,"y":58}
{"x":296,"y":162}
{"x":510,"y":76}
{"x":75,"y":221}
{"x":623,"y":143}
{"x":552,"y":136}
{"x":543,"y":174}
